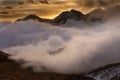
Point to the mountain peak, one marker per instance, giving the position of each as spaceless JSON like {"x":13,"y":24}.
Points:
{"x":114,"y":8}
{"x":74,"y":11}
{"x":74,"y":14}
{"x":97,"y":10}
{"x":117,"y":6}
{"x":64,"y":16}
{"x":96,"y":16}
{"x":113,"y":11}
{"x":33,"y":17}
{"x":29,"y":17}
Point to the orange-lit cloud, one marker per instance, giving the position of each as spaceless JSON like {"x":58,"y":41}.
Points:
{"x":51,"y":8}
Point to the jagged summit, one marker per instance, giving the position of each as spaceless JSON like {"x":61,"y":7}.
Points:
{"x":97,"y":10}
{"x":64,"y":16}
{"x":113,"y":11}
{"x":117,"y":7}
{"x":95,"y":16}
{"x":60,"y":19}
{"x":74,"y":14}
{"x":98,"y":15}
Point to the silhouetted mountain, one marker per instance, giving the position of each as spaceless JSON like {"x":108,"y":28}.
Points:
{"x":97,"y":15}
{"x":68,"y":15}
{"x":33,"y":17}
{"x":114,"y":9}
{"x":113,"y":12}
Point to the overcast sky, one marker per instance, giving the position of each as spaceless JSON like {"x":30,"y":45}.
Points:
{"x":51,"y":8}
{"x":87,"y":3}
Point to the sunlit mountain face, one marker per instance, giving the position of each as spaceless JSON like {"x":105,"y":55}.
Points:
{"x":10,"y":10}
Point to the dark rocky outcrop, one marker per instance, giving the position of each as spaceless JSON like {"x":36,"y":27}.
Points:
{"x":108,"y":72}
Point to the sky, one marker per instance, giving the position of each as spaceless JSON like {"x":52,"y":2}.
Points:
{"x":50,"y":8}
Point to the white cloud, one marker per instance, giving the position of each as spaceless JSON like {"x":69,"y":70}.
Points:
{"x":78,"y":49}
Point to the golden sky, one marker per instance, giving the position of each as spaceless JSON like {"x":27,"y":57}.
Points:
{"x":50,"y":10}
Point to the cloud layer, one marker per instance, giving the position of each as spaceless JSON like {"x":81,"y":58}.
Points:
{"x":63,"y":50}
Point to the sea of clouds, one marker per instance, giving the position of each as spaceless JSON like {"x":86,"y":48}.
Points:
{"x":61,"y":49}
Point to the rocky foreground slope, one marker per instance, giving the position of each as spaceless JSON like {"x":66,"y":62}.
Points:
{"x":10,"y":70}
{"x":108,"y":72}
